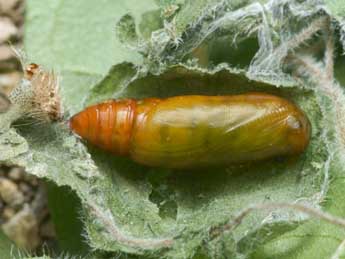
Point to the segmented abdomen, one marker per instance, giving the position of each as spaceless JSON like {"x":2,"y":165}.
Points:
{"x":107,"y":125}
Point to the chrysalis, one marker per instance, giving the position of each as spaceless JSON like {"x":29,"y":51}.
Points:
{"x":196,"y":131}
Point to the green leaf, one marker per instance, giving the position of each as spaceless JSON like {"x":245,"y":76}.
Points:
{"x":336,"y":8}
{"x":77,"y":39}
{"x":11,"y":145}
{"x":129,"y":208}
{"x":235,"y":189}
{"x":64,"y":207}
{"x":7,"y":248}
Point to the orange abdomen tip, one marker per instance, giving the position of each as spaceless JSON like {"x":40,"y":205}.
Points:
{"x":107,"y":125}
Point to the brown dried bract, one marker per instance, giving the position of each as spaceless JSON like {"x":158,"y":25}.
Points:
{"x":38,"y":93}
{"x":46,"y":98}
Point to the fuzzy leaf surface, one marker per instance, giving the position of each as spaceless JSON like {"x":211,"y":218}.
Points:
{"x":166,"y":213}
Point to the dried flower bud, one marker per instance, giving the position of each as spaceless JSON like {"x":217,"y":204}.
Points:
{"x":46,"y":99}
{"x":37,"y":94}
